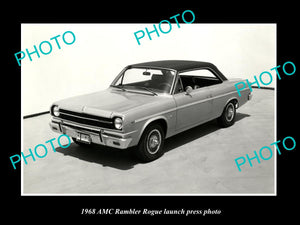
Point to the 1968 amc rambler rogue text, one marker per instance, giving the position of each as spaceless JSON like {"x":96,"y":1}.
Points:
{"x":148,"y":102}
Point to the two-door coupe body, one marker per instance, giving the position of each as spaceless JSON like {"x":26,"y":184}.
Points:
{"x":148,"y":102}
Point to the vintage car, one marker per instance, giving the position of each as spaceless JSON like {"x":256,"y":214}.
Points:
{"x":147,"y":103}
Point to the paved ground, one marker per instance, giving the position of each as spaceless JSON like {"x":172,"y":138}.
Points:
{"x":198,"y":161}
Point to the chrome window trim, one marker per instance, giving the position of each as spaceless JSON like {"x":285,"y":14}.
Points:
{"x":205,"y":68}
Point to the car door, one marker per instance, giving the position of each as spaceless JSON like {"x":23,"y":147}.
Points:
{"x":193,"y":108}
{"x":220,"y":94}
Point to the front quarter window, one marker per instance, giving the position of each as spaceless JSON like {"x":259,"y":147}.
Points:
{"x":156,"y":80}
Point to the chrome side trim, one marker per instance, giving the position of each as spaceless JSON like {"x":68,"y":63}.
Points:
{"x":207,"y":99}
{"x":186,"y":105}
{"x":194,"y":103}
{"x":154,"y":115}
{"x":222,"y":95}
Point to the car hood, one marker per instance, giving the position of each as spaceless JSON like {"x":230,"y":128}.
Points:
{"x":108,"y":102}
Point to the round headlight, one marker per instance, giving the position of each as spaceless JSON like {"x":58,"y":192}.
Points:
{"x":118,"y":123}
{"x":56,"y":111}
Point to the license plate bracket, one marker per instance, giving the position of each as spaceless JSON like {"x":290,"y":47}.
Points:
{"x":85,"y":138}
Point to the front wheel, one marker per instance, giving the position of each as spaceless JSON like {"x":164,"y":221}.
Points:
{"x":151,"y":143}
{"x":228,"y":116}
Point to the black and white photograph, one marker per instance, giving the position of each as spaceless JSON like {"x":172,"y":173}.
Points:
{"x":162,"y":117}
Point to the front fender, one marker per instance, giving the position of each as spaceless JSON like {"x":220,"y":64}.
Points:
{"x":141,"y":125}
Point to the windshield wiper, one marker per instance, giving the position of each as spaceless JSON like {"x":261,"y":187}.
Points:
{"x":147,"y":89}
{"x":119,"y":87}
{"x":144,"y":88}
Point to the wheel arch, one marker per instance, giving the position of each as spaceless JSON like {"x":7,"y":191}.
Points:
{"x":160,"y":120}
{"x":234,"y":100}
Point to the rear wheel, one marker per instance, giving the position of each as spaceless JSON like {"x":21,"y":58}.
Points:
{"x":151,"y":143}
{"x":228,"y":116}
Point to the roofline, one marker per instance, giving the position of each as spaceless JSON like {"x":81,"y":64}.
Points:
{"x":207,"y":65}
{"x":148,"y":64}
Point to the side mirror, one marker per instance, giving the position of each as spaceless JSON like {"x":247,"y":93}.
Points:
{"x":188,"y":90}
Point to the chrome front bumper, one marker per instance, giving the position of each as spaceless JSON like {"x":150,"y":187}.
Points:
{"x":97,"y":135}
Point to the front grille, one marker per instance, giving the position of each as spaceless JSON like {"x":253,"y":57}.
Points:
{"x":87,"y":119}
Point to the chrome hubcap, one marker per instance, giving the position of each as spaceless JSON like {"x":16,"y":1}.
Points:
{"x":230,"y":112}
{"x":153,"y":141}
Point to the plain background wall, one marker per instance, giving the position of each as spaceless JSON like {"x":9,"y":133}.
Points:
{"x":101,"y":51}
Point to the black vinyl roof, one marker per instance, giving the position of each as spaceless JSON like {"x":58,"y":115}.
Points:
{"x":181,"y":65}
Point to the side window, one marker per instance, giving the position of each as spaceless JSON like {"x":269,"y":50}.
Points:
{"x":199,"y":73}
{"x":199,"y":78}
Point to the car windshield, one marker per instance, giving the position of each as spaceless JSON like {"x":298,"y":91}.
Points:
{"x":150,"y":80}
